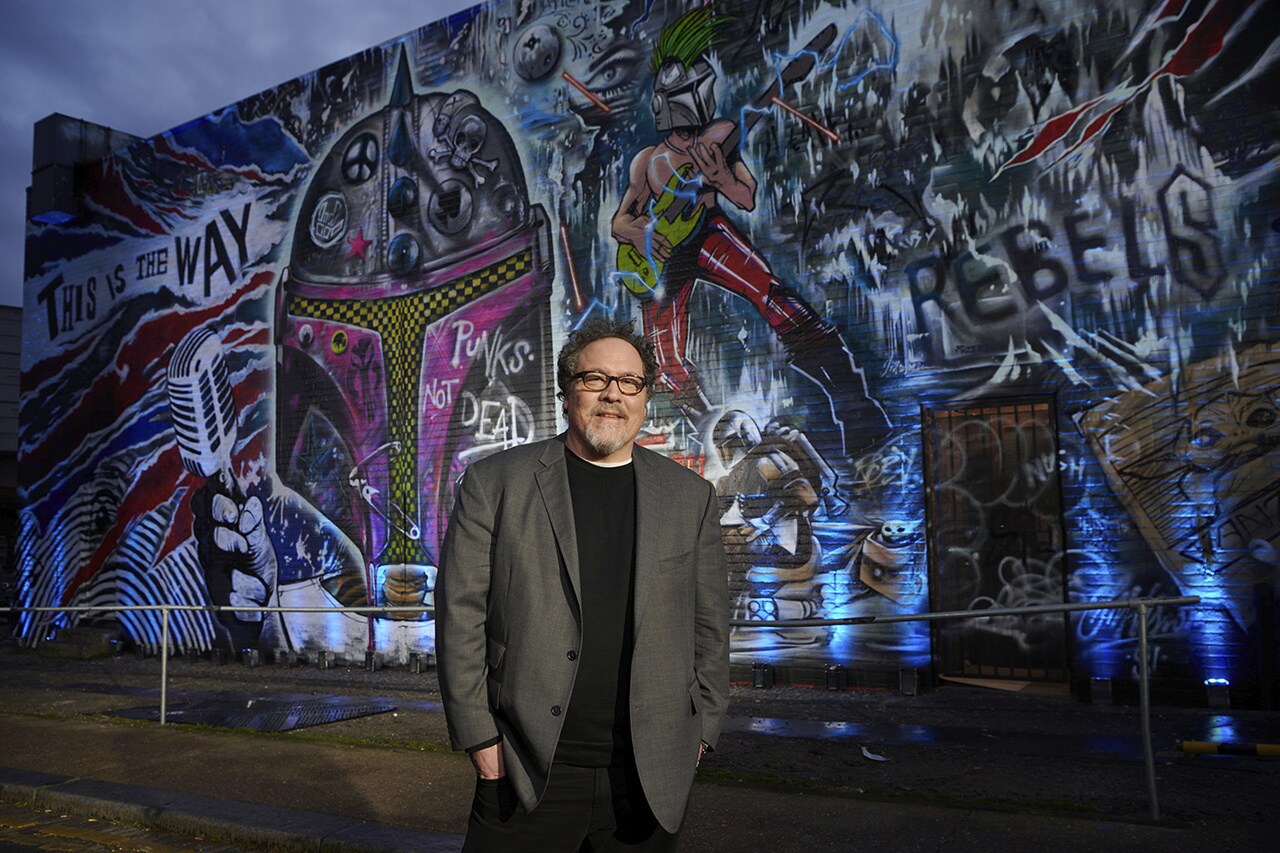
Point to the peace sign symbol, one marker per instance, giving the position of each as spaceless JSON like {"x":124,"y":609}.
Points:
{"x":360,"y":159}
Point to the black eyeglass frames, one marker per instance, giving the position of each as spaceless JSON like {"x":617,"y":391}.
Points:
{"x":594,"y":380}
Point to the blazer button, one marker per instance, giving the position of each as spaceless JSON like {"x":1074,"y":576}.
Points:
{"x":555,"y":710}
{"x":572,"y":654}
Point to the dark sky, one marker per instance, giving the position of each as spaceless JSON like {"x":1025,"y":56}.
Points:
{"x":144,"y":66}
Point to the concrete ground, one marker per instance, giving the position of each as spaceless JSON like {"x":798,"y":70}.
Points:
{"x":27,"y":829}
{"x":957,"y":768}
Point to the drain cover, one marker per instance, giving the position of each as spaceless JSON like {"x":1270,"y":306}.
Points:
{"x":264,"y":714}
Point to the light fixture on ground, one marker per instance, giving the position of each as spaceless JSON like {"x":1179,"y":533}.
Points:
{"x":1218,"y":691}
{"x":908,"y":681}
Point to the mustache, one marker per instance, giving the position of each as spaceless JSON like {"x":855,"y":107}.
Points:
{"x":605,"y":409}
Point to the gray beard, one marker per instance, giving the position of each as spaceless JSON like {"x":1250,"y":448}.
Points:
{"x":604,"y":441}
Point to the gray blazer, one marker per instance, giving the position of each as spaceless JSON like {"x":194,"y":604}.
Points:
{"x":509,"y":624}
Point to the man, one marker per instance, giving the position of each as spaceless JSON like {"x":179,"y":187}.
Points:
{"x":582,"y":633}
{"x":671,"y":232}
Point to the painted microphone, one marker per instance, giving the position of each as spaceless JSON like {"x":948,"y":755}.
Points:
{"x":240,"y":564}
{"x":201,"y":406}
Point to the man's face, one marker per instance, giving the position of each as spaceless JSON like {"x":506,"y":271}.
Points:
{"x":603,"y":424}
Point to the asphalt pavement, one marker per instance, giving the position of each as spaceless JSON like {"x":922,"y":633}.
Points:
{"x":346,"y":759}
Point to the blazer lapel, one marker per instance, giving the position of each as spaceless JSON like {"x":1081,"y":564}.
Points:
{"x":648,"y":526}
{"x":553,"y":484}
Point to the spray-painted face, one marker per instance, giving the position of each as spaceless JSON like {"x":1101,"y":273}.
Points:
{"x":684,"y":96}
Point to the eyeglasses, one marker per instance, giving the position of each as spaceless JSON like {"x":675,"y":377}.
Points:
{"x":594,"y":380}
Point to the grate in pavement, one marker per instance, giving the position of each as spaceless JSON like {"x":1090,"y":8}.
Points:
{"x":262,"y":714}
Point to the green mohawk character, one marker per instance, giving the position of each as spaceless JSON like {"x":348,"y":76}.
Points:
{"x":687,"y":38}
{"x":683,"y":88}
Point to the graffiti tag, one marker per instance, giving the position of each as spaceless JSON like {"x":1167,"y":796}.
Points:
{"x":216,"y":259}
{"x":68,"y":305}
{"x":495,"y":351}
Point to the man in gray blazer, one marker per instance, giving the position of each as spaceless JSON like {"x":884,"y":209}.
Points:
{"x":582,"y":634}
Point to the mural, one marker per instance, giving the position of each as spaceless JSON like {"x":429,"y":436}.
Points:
{"x":863,"y":238}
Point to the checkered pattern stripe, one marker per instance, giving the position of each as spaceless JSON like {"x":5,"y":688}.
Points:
{"x":401,"y":322}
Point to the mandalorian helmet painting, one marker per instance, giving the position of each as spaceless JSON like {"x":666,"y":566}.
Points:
{"x":684,"y":96}
{"x":415,"y":254}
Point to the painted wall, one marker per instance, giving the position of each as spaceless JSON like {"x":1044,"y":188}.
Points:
{"x":960,"y":304}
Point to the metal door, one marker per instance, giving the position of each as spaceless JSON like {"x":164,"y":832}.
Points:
{"x":995,"y":537}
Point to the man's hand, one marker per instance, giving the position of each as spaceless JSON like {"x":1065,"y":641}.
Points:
{"x":732,"y":180}
{"x":632,"y":223}
{"x":709,"y":158}
{"x":489,"y":763}
{"x":239,"y":529}
{"x":636,"y":231}
{"x":238,"y":559}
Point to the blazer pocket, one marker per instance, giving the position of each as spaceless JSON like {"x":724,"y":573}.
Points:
{"x":493,"y":657}
{"x":494,"y":653}
{"x":695,"y":696}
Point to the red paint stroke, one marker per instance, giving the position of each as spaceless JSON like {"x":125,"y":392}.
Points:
{"x":590,"y":95}
{"x":1201,"y":44}
{"x":823,"y":129}
{"x":166,"y":148}
{"x":578,"y":303}
{"x":42,"y":371}
{"x":113,"y":196}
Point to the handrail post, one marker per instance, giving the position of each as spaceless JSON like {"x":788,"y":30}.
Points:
{"x":1144,"y":702}
{"x":164,"y":661}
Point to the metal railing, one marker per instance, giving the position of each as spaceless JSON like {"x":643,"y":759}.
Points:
{"x":1143,"y":607}
{"x":166,"y":609}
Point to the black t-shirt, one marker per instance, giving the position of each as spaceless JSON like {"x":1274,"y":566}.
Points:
{"x":596,"y":730}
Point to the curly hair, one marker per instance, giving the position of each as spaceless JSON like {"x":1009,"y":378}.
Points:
{"x":593,"y":330}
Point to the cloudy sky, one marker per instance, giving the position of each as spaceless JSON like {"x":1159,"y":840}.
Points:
{"x":144,"y":66}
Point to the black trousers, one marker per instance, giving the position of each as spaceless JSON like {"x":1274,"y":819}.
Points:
{"x":584,"y":810}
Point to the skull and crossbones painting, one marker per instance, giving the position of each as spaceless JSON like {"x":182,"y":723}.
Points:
{"x":462,"y":131}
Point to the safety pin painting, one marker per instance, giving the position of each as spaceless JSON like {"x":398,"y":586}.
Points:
{"x":392,"y":514}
